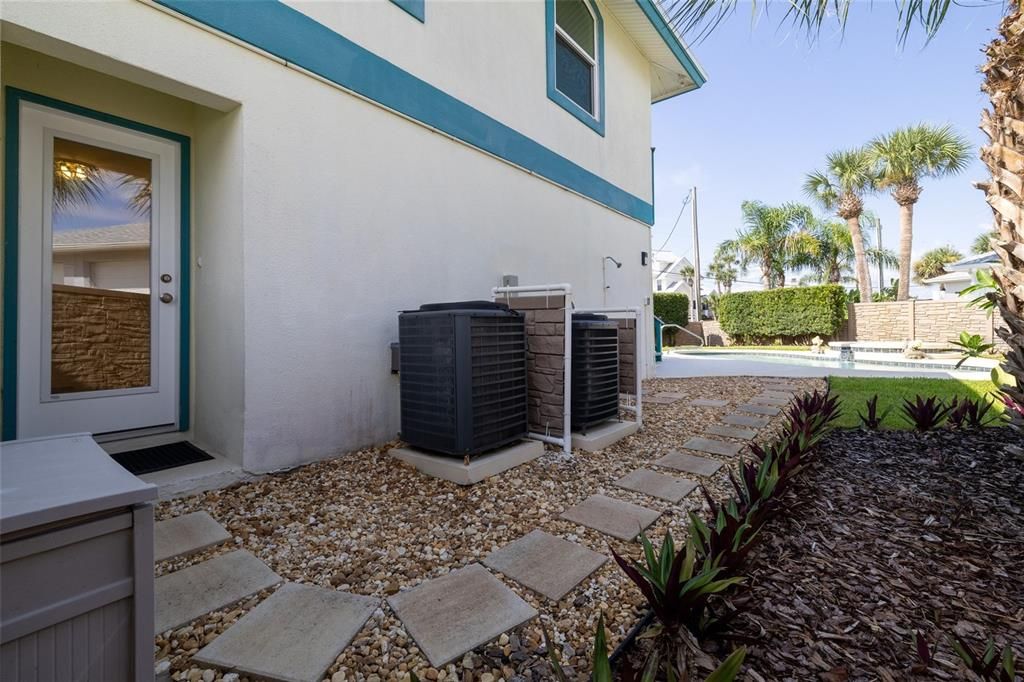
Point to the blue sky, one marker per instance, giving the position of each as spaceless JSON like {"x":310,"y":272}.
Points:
{"x":775,"y":105}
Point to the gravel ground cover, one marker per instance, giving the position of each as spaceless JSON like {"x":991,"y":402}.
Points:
{"x":370,"y":525}
{"x":891,"y":533}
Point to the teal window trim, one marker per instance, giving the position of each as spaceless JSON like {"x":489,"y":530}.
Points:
{"x":14,"y":98}
{"x":286,"y":33}
{"x":594,"y":121}
{"x":417,"y":8}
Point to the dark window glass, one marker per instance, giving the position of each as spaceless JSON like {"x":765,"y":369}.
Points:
{"x":573,"y":75}
{"x":575,"y":19}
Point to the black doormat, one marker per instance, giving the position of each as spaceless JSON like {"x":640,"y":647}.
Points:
{"x":160,"y":457}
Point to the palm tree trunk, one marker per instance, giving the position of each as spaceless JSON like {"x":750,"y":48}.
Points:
{"x":1004,"y":156}
{"x":860,"y":259}
{"x":906,"y":243}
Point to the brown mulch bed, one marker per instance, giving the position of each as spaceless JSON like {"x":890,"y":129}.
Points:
{"x":891,"y":533}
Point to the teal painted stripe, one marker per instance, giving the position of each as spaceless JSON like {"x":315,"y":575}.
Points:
{"x":416,"y":8}
{"x":657,"y":20}
{"x":14,"y":97}
{"x":9,"y":408}
{"x":294,"y":37}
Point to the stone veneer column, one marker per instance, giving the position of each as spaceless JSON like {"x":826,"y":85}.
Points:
{"x":545,"y":359}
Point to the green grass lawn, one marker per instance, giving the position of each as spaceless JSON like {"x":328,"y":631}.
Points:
{"x":854,"y":392}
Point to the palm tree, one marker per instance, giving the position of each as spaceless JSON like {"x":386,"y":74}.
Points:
{"x":774,"y":237}
{"x":983,"y":242}
{"x":933,"y":263}
{"x":907,"y":156}
{"x":723,"y":270}
{"x":687,"y":274}
{"x":849,"y":175}
{"x":836,"y":256}
{"x":1004,"y":126}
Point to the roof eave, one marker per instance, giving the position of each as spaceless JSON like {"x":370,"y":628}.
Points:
{"x":674,"y":43}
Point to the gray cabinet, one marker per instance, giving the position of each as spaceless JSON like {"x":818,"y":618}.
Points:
{"x":76,"y":564}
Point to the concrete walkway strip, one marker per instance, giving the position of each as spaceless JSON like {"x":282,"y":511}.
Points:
{"x":701,"y":466}
{"x":187,"y":534}
{"x":613,"y":517}
{"x":545,"y":563}
{"x":657,"y":485}
{"x":712,"y":446}
{"x":759,"y":409}
{"x":745,"y":420}
{"x":458,"y":612}
{"x":293,"y":636}
{"x":731,"y":431}
{"x":704,"y":402}
{"x":184,"y":595}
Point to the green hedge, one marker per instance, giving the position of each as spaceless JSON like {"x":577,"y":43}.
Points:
{"x":672,"y":307}
{"x":788,"y":314}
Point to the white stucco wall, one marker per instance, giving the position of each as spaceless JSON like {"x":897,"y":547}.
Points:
{"x":318,"y":215}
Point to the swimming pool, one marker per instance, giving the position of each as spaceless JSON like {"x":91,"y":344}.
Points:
{"x":781,"y":363}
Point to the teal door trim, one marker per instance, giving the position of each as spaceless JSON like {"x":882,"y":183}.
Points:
{"x":14,"y":98}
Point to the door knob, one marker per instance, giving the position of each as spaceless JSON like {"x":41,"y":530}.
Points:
{"x":166,"y":298}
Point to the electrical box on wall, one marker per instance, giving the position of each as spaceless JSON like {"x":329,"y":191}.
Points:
{"x":510,"y":280}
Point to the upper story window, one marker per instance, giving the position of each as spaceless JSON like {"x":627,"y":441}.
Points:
{"x":575,"y":59}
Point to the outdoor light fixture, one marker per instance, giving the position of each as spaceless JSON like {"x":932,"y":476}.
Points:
{"x":70,"y":170}
{"x":643,"y":258}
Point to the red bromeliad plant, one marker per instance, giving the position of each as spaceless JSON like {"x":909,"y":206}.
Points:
{"x":965,"y":413}
{"x":873,"y":419}
{"x":925,"y":414}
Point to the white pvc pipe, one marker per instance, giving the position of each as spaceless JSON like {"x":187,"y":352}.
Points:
{"x":566,"y":289}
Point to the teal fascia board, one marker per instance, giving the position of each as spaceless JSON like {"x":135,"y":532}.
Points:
{"x":660,"y":25}
{"x":417,"y":8}
{"x":14,"y":97}
{"x":595,"y":123}
{"x":288,"y":34}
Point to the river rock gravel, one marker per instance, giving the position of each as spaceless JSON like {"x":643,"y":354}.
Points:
{"x":368,"y":524}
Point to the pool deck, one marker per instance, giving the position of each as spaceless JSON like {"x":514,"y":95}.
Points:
{"x":697,"y":365}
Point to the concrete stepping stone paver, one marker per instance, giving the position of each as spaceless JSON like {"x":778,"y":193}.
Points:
{"x":670,"y":394}
{"x":613,"y":517}
{"x":780,"y":386}
{"x":545,"y":563}
{"x":659,"y":400}
{"x":781,"y":395}
{"x":704,"y":402}
{"x":712,"y":446}
{"x":458,"y":612}
{"x":768,"y":400}
{"x":759,"y":409}
{"x":657,"y":485}
{"x":184,"y":595}
{"x":691,"y":464}
{"x":292,"y":636}
{"x":187,"y":534}
{"x":745,"y":420}
{"x":730,"y":431}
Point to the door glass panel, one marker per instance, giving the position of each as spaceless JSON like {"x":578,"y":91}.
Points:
{"x":100,"y":269}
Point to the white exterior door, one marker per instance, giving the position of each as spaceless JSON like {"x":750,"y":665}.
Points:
{"x":98,"y":276}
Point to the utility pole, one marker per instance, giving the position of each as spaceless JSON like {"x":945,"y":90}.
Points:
{"x":878,"y":244}
{"x":697,"y":307}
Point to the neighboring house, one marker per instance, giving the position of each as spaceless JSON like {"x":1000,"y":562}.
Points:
{"x":958,"y":276}
{"x":666,"y":272}
{"x":310,"y":170}
{"x":114,"y":258}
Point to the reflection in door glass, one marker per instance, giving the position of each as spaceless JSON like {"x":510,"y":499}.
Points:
{"x":101,"y":269}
